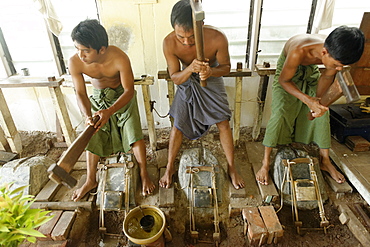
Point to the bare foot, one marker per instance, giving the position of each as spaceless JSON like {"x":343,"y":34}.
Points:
{"x":263,"y":175}
{"x":236,"y":179}
{"x":81,"y":192}
{"x":166,"y":180}
{"x":148,"y":186}
{"x":326,"y":165}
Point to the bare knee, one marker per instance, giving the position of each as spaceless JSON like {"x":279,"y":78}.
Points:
{"x":224,"y":125}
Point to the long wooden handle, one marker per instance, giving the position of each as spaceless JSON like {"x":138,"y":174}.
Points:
{"x":198,"y":17}
{"x":73,"y":153}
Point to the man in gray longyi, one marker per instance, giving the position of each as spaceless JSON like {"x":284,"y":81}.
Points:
{"x":196,"y":108}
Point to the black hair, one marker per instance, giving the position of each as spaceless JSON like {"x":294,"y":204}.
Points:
{"x":91,"y":34}
{"x":345,"y":44}
{"x":181,"y":15}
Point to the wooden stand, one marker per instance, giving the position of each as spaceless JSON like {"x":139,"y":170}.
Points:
{"x":6,"y":121}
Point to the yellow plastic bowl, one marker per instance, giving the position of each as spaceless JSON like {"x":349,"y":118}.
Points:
{"x":133,"y":231}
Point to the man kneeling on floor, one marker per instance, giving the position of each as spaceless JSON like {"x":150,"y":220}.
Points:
{"x":113,"y":100}
{"x":297,"y":89}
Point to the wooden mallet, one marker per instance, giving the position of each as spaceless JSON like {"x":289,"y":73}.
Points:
{"x":59,"y":172}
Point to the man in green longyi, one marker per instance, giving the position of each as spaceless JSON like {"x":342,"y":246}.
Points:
{"x":297,"y":88}
{"x":113,"y":100}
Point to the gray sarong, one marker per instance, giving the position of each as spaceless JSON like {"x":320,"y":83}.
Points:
{"x":195,"y":108}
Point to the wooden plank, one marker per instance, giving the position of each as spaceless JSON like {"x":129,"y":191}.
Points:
{"x":8,"y":126}
{"x":161,"y":158}
{"x":356,"y":227}
{"x":48,"y":227}
{"x":62,"y":228}
{"x":166,"y":196}
{"x":243,"y":170}
{"x":256,"y":229}
{"x":22,"y":82}
{"x":255,"y":152}
{"x":62,"y":113}
{"x":48,"y":192}
{"x":63,"y":205}
{"x":348,"y":162}
{"x":337,"y":187}
{"x":272,"y":223}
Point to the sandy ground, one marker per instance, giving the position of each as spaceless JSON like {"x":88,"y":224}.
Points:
{"x":232,"y":230}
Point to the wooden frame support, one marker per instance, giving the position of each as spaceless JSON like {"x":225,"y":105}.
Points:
{"x":261,"y":96}
{"x":53,"y":84}
{"x":145,"y":82}
{"x":237,"y":104}
{"x":7,"y":124}
{"x":62,"y":114}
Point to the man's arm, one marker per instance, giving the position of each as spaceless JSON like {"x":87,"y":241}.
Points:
{"x":83,"y":101}
{"x":325,"y":80}
{"x":221,"y":45}
{"x":291,"y":64}
{"x":177,"y":75}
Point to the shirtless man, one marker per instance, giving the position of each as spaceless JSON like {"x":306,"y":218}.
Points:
{"x":113,"y":98}
{"x":196,"y":108}
{"x":298,"y":87}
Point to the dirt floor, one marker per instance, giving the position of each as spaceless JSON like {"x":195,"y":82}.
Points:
{"x":41,"y":143}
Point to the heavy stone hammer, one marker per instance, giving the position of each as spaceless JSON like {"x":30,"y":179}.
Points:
{"x":59,"y":172}
{"x":342,"y":85}
{"x":198,"y":17}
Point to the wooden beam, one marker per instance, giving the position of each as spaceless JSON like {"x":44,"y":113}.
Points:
{"x":62,"y":114}
{"x":8,"y":126}
{"x":237,"y":105}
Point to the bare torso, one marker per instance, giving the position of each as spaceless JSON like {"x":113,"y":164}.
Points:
{"x":187,"y":54}
{"x":307,"y":45}
{"x":104,"y":74}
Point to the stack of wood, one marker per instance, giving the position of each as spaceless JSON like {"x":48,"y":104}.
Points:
{"x":357,"y":143}
{"x":262,"y":225}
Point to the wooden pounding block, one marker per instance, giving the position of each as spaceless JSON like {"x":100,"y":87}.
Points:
{"x":62,"y":228}
{"x":240,"y":193}
{"x":272,"y":223}
{"x":269,"y":192}
{"x":48,"y":227}
{"x":166,"y":196}
{"x":47,"y":192}
{"x":337,"y":187}
{"x":256,"y":230}
{"x":161,"y":157}
{"x":357,"y":143}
